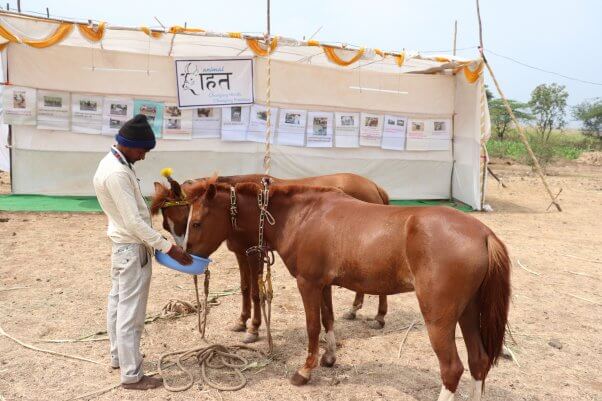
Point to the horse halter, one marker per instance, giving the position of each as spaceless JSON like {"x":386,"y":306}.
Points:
{"x":183,"y":202}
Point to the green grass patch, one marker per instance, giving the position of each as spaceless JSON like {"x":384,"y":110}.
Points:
{"x":560,"y":146}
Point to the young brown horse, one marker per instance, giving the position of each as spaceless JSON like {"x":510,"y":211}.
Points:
{"x":174,"y":207}
{"x":457,"y":266}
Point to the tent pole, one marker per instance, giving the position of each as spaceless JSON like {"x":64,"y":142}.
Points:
{"x":455,"y":36}
{"x":519,"y":127}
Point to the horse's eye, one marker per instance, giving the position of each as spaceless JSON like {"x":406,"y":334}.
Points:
{"x":196,"y":224}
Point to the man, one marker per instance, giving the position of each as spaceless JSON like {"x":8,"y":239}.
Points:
{"x":133,"y":238}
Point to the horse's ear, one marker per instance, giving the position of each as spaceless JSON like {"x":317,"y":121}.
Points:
{"x":211,"y":191}
{"x":175,"y":188}
{"x":159,"y":188}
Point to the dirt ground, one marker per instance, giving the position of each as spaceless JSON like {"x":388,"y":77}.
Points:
{"x":62,"y":260}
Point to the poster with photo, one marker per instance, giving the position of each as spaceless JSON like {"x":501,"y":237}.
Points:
{"x":153,"y":112}
{"x":417,"y":135}
{"x":86,"y":114}
{"x":347,"y":130}
{"x":259,"y":122}
{"x":440,"y":131}
{"x":177,"y":123}
{"x":371,"y":129}
{"x":54,"y":110}
{"x":319,"y":129}
{"x":235,"y":121}
{"x":206,"y":122}
{"x":115,"y":112}
{"x":394,"y":132}
{"x":291,"y":127}
{"x":19,"y":105}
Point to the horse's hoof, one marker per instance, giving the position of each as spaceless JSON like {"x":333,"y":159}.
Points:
{"x":298,"y":379}
{"x":376,"y":324}
{"x":238,"y":327}
{"x":250,"y":338}
{"x":350,"y":315}
{"x":328,"y":360}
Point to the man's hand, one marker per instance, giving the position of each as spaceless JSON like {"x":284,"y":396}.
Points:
{"x":178,"y":254}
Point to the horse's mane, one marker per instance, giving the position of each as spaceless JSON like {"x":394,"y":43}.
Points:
{"x":198,"y":188}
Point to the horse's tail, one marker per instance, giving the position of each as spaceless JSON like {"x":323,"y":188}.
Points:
{"x":494,"y":299}
{"x":383,"y":194}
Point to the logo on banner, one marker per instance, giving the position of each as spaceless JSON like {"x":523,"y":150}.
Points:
{"x":214,"y":82}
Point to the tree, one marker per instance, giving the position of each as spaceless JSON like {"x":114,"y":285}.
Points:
{"x":590,"y":115}
{"x":548,"y":105}
{"x":500,"y":119}
{"x":488,"y":94}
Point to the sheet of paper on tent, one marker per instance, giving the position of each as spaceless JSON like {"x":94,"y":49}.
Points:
{"x":291,"y":127}
{"x":153,"y":112}
{"x":177,"y":123}
{"x":259,"y":122}
{"x":371,"y":129}
{"x":319,"y":129}
{"x":394,"y":132}
{"x":206,"y":122}
{"x":440,"y":131}
{"x":86,"y":113}
{"x":417,"y":136}
{"x":54,"y":110}
{"x":235,"y":122}
{"x":19,"y":105}
{"x":115,"y":112}
{"x":347,"y":130}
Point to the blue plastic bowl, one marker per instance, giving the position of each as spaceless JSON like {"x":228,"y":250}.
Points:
{"x":198,"y":265}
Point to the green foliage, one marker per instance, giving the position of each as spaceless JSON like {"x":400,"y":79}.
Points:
{"x":590,"y":115}
{"x":548,"y":105}
{"x":500,"y":118}
{"x":560,"y":146}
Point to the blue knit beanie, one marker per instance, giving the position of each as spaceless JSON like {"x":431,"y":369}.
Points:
{"x":136,"y":133}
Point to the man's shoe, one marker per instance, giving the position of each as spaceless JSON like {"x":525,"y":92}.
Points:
{"x":146,"y":383}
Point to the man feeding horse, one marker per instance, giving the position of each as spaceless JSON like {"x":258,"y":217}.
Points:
{"x":174,"y":205}
{"x":458,"y":268}
{"x":133,"y":238}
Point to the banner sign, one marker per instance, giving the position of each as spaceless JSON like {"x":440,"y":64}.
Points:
{"x":214,"y":82}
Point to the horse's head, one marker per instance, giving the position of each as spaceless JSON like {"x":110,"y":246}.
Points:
{"x":209,"y":221}
{"x":174,"y":207}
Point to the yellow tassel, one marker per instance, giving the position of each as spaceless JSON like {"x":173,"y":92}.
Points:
{"x":167,"y":172}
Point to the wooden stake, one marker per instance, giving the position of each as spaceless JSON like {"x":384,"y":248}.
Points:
{"x":519,"y":128}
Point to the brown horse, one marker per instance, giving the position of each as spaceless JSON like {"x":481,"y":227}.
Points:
{"x":457,"y":266}
{"x":174,"y":207}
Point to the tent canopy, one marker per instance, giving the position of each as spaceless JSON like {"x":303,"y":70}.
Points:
{"x":138,"y":62}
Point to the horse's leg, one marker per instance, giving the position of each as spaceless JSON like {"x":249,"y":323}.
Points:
{"x":478,"y":361}
{"x":252,"y":333}
{"x":358,"y":302}
{"x":311,"y":292}
{"x":329,"y":357}
{"x":442,"y":335}
{"x":245,"y":289}
{"x":379,"y":319}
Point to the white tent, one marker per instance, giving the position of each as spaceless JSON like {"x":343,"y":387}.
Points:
{"x":137,"y":62}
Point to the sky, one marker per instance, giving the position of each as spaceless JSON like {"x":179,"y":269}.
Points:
{"x":559,"y":36}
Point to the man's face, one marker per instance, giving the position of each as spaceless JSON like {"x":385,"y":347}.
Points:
{"x":133,"y":154}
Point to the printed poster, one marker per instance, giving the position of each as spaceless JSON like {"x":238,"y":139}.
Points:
{"x":347,"y":130}
{"x":214,"y":82}
{"x":116,"y":111}
{"x":177,"y":123}
{"x":319,"y":129}
{"x":235,"y":121}
{"x":291,"y":127}
{"x":371,"y":129}
{"x":440,"y":130}
{"x":53,"y":110}
{"x":394,"y":132}
{"x":86,"y":114}
{"x":153,"y":112}
{"x":417,"y":138}
{"x":206,"y":122}
{"x":259,"y":122}
{"x":19,"y":105}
